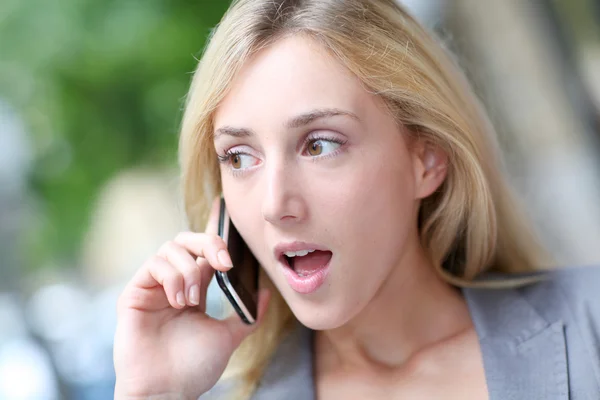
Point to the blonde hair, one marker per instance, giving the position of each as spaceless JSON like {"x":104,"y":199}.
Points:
{"x":470,"y":225}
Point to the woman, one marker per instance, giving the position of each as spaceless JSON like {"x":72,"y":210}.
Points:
{"x":341,"y":128}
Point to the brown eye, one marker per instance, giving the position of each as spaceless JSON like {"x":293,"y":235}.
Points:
{"x":315,"y":148}
{"x":236,"y":161}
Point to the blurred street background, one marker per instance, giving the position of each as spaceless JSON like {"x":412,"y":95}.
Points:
{"x":91,"y":95}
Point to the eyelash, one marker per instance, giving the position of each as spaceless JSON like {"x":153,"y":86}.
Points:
{"x":226,"y":158}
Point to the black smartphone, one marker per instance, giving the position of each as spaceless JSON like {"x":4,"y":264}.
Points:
{"x":240,"y":283}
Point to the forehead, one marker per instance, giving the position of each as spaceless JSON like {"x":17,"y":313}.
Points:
{"x":293,"y":75}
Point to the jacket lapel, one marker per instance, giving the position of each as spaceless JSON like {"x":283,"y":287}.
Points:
{"x":524,"y":355}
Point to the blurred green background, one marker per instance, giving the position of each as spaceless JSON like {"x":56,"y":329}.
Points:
{"x":99,"y":86}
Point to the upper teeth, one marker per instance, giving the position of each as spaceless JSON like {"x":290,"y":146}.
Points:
{"x":300,"y":253}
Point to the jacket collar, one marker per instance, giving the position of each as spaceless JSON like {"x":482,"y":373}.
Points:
{"x":524,"y":355}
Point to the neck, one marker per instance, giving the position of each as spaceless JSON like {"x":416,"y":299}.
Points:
{"x":413,"y":311}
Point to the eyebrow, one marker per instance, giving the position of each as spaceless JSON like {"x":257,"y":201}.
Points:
{"x":295,"y":122}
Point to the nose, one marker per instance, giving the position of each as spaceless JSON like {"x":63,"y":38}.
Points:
{"x":283,"y":202}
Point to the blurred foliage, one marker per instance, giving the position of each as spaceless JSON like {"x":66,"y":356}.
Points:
{"x":100,"y":86}
{"x":580,"y":19}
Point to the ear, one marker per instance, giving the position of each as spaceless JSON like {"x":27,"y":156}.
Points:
{"x":430,"y":164}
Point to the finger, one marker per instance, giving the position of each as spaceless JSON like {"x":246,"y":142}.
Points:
{"x":183,"y":261}
{"x":206,"y":275}
{"x":240,"y":330}
{"x":143,"y":292}
{"x":158,"y":273}
{"x":209,"y":246}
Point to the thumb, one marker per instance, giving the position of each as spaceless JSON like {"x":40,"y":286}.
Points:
{"x":239,"y":329}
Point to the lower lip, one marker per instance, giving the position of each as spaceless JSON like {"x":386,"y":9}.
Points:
{"x":308,"y":283}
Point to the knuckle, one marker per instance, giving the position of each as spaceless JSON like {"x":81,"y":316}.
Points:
{"x":167,"y":246}
{"x":191,"y":273}
{"x":126,"y":299}
{"x":174,"y":277}
{"x":215,"y":241}
{"x":181,"y":236}
{"x":153,"y":263}
{"x":129,"y":298}
{"x":202,"y":263}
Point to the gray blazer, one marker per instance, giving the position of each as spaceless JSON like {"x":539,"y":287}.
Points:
{"x":538,"y":342}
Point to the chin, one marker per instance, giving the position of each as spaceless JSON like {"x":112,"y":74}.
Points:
{"x":319,"y":316}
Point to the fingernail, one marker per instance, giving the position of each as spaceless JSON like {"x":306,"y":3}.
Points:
{"x":224,"y":258}
{"x":195,"y":295}
{"x":180,"y":298}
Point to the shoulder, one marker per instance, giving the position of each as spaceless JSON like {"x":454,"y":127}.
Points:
{"x":580,"y":283}
{"x":569,"y":296}
{"x":545,"y":330}
{"x":570,"y":293}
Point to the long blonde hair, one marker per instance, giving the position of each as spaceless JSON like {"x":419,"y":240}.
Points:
{"x":470,"y":225}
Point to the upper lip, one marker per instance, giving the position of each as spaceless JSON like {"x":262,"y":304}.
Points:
{"x":282,"y":248}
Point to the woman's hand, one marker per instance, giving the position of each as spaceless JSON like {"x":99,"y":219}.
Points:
{"x":165,"y":346}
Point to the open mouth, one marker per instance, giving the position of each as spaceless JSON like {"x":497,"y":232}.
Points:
{"x":305,"y":266}
{"x":306,"y":262}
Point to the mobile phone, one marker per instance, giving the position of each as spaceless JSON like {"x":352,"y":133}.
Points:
{"x":240,"y":283}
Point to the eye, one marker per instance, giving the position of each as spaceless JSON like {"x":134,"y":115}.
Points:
{"x":242,"y":160}
{"x":238,"y":160}
{"x":319,"y":147}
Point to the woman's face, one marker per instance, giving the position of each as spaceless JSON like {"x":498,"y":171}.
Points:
{"x":311,"y":161}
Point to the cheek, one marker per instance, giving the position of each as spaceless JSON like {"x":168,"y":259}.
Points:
{"x":374,"y":212}
{"x":373,"y":197}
